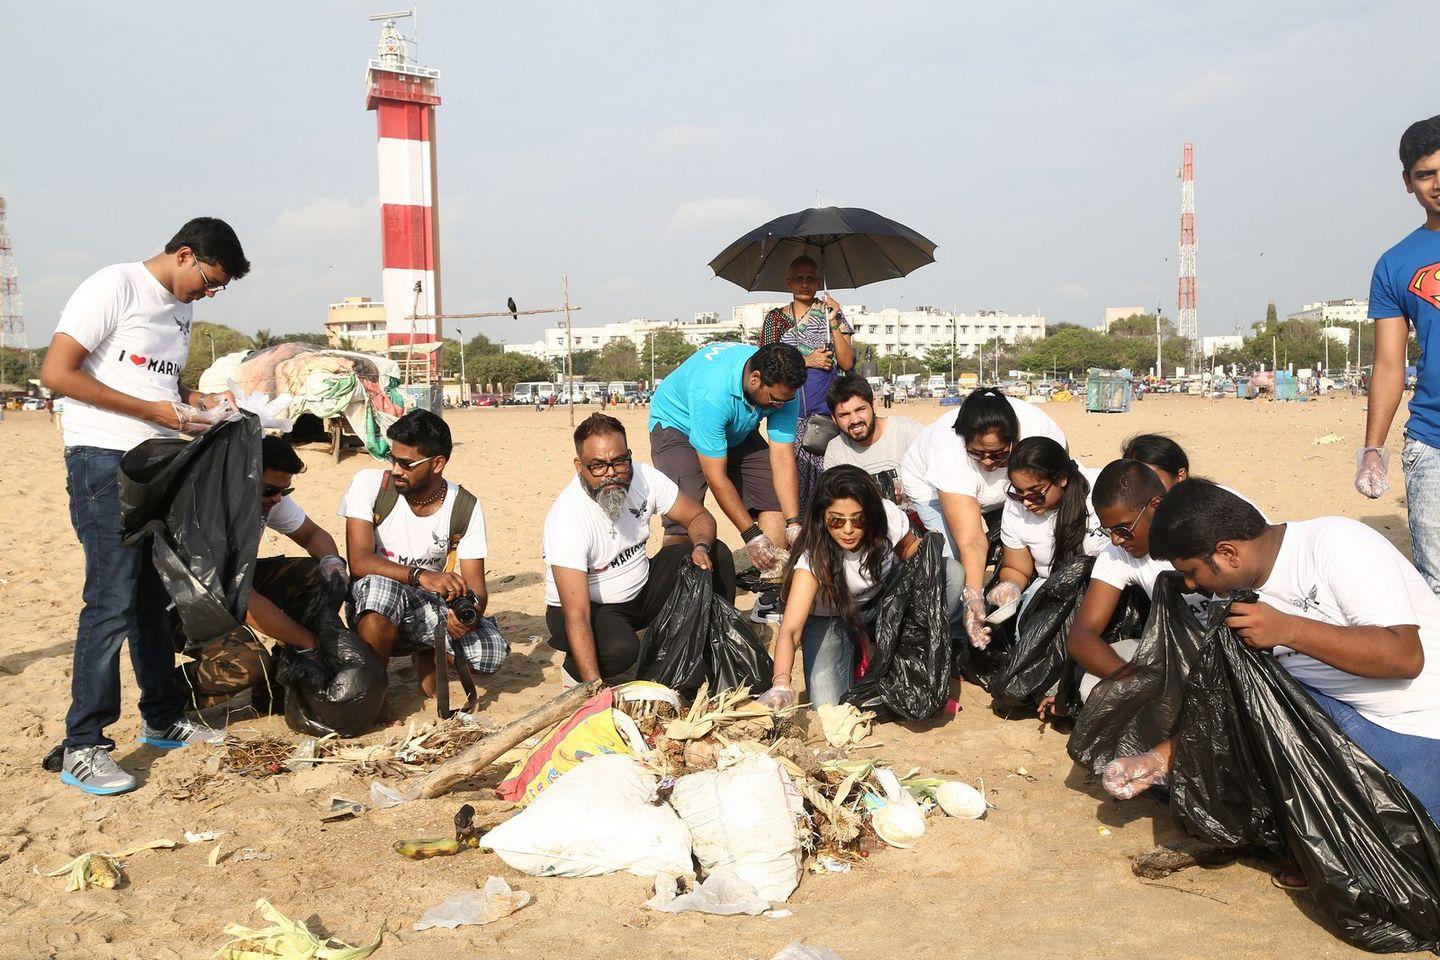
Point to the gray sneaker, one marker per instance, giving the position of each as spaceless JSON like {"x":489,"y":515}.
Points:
{"x":182,"y":733}
{"x":93,"y":770}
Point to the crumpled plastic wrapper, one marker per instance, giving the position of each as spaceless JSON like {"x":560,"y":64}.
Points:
{"x":475,"y":907}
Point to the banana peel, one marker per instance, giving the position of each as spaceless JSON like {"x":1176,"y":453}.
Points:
{"x":467,"y":836}
{"x":286,"y":939}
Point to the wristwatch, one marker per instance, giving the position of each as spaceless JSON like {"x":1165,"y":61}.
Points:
{"x":707,"y":547}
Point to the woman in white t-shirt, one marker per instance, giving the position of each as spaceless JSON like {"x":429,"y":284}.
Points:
{"x":847,"y":546}
{"x":1047,"y":520}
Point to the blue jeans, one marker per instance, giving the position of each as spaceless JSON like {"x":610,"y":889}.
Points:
{"x":123,"y":598}
{"x":1421,"y":464}
{"x":929,"y":513}
{"x":1414,"y":761}
{"x":828,"y":647}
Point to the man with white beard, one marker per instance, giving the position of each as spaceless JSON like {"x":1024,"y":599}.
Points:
{"x":600,"y":585}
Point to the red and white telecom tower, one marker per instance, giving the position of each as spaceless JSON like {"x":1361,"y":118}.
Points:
{"x":12,"y":320}
{"x":404,"y":96}
{"x":1185,"y":323}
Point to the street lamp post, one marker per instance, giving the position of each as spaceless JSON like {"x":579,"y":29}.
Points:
{"x":952,"y":348}
{"x":464,"y":381}
{"x":1159,"y":370}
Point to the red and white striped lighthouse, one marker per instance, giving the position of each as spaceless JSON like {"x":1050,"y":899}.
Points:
{"x":404,"y":96}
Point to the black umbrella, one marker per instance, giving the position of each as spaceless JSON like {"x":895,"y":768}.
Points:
{"x":852,"y":246}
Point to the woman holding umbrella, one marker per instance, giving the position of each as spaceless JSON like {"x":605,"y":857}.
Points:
{"x":819,"y":331}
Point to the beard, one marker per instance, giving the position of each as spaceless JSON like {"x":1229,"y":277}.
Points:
{"x":860,"y":431}
{"x":610,"y":497}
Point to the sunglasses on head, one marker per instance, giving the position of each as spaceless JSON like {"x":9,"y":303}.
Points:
{"x":1034,"y":497}
{"x":273,"y":491}
{"x":1124,"y":532}
{"x":836,"y":522}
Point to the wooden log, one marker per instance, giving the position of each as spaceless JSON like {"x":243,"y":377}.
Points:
{"x":478,"y":756}
{"x":1180,"y":855}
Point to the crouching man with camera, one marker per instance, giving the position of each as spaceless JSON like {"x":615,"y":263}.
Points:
{"x":416,"y":546}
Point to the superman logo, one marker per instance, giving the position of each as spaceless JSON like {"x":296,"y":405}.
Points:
{"x":1426,"y":284}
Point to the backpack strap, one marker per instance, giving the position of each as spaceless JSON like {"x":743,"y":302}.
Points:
{"x":385,"y":500}
{"x":460,"y":516}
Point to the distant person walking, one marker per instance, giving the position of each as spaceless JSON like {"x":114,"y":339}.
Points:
{"x":888,"y":393}
{"x":819,"y":331}
{"x":116,"y":357}
{"x":1405,"y":293}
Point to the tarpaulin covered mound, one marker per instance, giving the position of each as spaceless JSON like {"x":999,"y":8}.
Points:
{"x":361,"y":387}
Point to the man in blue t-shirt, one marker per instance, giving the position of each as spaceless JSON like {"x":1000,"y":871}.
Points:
{"x":704,"y":432}
{"x":1405,"y":292}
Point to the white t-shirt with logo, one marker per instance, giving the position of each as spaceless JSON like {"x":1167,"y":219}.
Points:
{"x":407,"y":539}
{"x":579,"y":536}
{"x":1021,"y":529}
{"x":138,"y":336}
{"x":1341,"y":572}
{"x":857,"y":578}
{"x":285,"y":517}
{"x":937,"y":461}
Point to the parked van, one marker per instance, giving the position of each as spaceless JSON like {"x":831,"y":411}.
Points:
{"x":534,"y":391}
{"x":624,"y":388}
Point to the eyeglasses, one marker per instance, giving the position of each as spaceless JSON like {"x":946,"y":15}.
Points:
{"x":271,"y":491}
{"x":996,"y":457}
{"x":836,"y":522}
{"x":209,"y":287}
{"x":407,"y":464}
{"x":1124,"y":531}
{"x":598,"y":468}
{"x":1034,"y":497}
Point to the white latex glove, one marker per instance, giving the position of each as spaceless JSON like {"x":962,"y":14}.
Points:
{"x":975,"y":624}
{"x":1371,"y":466}
{"x":762,"y":552}
{"x":777,"y":698}
{"x":1127,"y":777}
{"x":334,"y":568}
{"x":1002,"y":593}
{"x":792,"y":533}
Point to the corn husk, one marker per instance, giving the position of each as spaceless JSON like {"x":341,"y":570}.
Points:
{"x":286,"y":939}
{"x":100,"y":869}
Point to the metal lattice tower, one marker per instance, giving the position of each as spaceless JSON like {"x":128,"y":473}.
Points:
{"x":1185,"y":323}
{"x":12,"y":320}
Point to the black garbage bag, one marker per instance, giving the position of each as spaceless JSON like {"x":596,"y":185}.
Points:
{"x":339,"y":690}
{"x":1039,"y":661}
{"x":984,"y":667}
{"x":910,"y":656}
{"x":699,"y":637}
{"x":1258,"y":761}
{"x":199,"y":501}
{"x":1139,"y":705}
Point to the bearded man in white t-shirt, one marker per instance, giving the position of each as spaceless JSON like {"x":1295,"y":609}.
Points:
{"x":116,"y":357}
{"x":1340,"y":609}
{"x":601,"y":585}
{"x":416,"y":544}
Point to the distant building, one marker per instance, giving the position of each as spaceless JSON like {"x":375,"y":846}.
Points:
{"x":536,"y":349}
{"x":1332,"y":313}
{"x":707,"y":316}
{"x":1210,"y":346}
{"x":358,"y":320}
{"x":752,"y":315}
{"x":1119,"y":313}
{"x":914,"y":331}
{"x":637,"y":330}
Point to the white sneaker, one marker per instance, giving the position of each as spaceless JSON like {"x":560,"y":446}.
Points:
{"x":182,"y":733}
{"x":93,"y":770}
{"x":767,"y":608}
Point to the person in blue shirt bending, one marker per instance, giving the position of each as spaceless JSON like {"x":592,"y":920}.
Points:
{"x":704,"y":432}
{"x":1405,"y":292}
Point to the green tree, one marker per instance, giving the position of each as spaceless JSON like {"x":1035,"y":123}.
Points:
{"x":1071,"y":351}
{"x":937,"y":359}
{"x":724,"y":336}
{"x":314,"y":339}
{"x":504,"y":370}
{"x":1271,"y":317}
{"x":18,"y":366}
{"x":899,"y":363}
{"x":618,"y":360}
{"x":264,"y":338}
{"x":582,"y":362}
{"x":670,"y":349}
{"x":209,"y":340}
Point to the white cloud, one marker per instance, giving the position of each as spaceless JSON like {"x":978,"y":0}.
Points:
{"x":711,"y":212}
{"x":678,"y":137}
{"x":324,"y":225}
{"x":1214,"y":84}
{"x":1073,"y":291}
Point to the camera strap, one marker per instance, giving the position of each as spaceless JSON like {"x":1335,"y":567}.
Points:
{"x":460,"y":513}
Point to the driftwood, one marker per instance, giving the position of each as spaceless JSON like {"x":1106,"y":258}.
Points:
{"x":480,"y":755}
{"x":1164,"y":860}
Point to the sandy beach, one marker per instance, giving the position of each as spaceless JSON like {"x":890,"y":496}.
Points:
{"x":1045,"y":874}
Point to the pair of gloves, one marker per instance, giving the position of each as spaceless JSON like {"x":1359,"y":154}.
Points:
{"x":1001,"y":594}
{"x":762,"y":548}
{"x":1371,"y":466}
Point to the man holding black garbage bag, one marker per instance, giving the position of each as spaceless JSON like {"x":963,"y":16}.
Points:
{"x":416,"y":545}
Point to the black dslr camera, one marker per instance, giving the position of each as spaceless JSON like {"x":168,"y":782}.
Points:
{"x":464,"y":608}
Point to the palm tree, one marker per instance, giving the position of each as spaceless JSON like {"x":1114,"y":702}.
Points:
{"x":263,"y":338}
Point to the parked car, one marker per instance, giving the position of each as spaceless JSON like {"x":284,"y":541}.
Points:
{"x":486,"y":400}
{"x":33,"y":403}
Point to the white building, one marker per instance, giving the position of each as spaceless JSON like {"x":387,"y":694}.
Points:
{"x":1209,"y":346}
{"x":1333,"y":313}
{"x":1118,"y":313}
{"x":752,"y":315}
{"x":914,"y":331}
{"x":637,"y":330}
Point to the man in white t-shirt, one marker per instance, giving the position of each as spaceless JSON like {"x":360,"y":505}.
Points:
{"x":1339,"y":608}
{"x":283,"y":596}
{"x":601,"y":586}
{"x":416,"y":545}
{"x":874,"y":444}
{"x":116,"y":358}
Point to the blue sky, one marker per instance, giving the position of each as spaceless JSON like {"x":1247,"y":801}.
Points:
{"x":627,"y":143}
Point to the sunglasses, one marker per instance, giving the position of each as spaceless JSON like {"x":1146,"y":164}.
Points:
{"x":407,"y":464}
{"x":1124,"y":532}
{"x":996,"y":457}
{"x":1034,"y":497}
{"x":209,"y":286}
{"x":271,"y":491}
{"x":836,"y":522}
{"x":598,"y":468}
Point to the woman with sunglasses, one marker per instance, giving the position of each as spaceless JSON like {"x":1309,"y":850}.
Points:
{"x":1047,"y":520}
{"x":847,"y":546}
{"x":955,"y":474}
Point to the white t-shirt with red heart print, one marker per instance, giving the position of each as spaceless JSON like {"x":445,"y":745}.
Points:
{"x":138,"y":336}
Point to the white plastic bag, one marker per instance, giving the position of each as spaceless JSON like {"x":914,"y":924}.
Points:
{"x":596,"y":819}
{"x":722,"y":894}
{"x":744,"y":818}
{"x":475,"y":907}
{"x":795,"y":950}
{"x":271,"y":412}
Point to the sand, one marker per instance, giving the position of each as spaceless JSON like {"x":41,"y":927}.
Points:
{"x":1045,"y":874}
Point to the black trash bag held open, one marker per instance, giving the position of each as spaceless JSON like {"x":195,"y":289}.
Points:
{"x":1039,"y":660}
{"x":342,"y":689}
{"x":1258,"y":761}
{"x":199,"y":501}
{"x":984,"y":667}
{"x":1139,"y":705}
{"x":910,"y":658}
{"x":698,"y":637}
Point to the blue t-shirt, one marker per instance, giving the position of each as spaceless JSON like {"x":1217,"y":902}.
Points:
{"x":1406,"y":283}
{"x":705,"y":400}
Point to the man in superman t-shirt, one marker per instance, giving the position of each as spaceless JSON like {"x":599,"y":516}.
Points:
{"x":1405,"y":292}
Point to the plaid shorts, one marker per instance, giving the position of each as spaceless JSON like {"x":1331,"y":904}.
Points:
{"x":419,"y":614}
